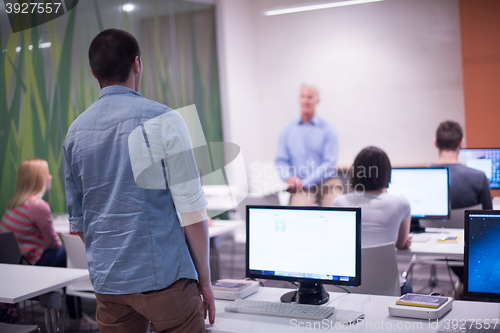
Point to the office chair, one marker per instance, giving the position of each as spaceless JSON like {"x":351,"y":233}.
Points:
{"x":456,"y":219}
{"x":9,"y":250}
{"x":76,"y":258}
{"x":379,"y":271}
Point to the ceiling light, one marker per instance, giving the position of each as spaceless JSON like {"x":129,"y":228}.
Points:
{"x":315,"y":7}
{"x":128,"y":7}
{"x":18,"y":49}
{"x":44,"y":45}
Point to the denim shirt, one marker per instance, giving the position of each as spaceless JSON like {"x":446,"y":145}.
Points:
{"x":308,"y":151}
{"x":134,"y":241}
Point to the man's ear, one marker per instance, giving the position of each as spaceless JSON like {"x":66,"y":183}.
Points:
{"x":462,"y":144}
{"x":436,"y":143}
{"x":137,"y":65}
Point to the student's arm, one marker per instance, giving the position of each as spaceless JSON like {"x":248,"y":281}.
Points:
{"x":283,"y":159}
{"x":198,"y":242}
{"x":485,"y":196}
{"x":41,"y":214}
{"x":74,"y":197}
{"x":404,"y":240}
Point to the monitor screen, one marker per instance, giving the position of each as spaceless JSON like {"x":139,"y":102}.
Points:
{"x":481,"y":255}
{"x":304,"y":244}
{"x":427,"y":189}
{"x":486,"y":160}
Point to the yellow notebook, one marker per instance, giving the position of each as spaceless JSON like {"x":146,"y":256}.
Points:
{"x":424,"y":301}
{"x":449,"y":239}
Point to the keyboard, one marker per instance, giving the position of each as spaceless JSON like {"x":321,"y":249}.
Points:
{"x":278,"y":309}
{"x":470,"y":327}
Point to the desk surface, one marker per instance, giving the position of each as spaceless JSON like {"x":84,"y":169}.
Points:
{"x":21,"y":282}
{"x":375,"y":308}
{"x":427,"y":243}
{"x":219,"y":227}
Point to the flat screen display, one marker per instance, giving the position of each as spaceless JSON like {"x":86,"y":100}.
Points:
{"x":427,"y":189}
{"x":303,"y":244}
{"x":486,"y":160}
{"x":482,"y":255}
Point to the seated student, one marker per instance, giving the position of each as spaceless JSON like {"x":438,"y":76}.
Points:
{"x":468,"y":187}
{"x":30,"y":218}
{"x":385,"y":218}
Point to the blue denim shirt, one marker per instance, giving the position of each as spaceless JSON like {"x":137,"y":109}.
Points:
{"x":308,"y":151}
{"x":134,"y":241}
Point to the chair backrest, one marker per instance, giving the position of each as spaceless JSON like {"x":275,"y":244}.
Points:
{"x":75,"y":251}
{"x":456,"y":219}
{"x":379,"y":271}
{"x":9,"y":249}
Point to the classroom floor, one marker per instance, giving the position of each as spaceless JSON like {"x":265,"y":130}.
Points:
{"x":232,"y":265}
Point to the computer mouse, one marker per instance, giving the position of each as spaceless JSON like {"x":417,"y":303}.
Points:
{"x":354,"y":319}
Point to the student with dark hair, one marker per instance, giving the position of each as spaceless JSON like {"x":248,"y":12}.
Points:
{"x":145,"y":264}
{"x":468,"y":187}
{"x":385,"y":217}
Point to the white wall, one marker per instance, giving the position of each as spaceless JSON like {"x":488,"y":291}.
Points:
{"x":388,"y":73}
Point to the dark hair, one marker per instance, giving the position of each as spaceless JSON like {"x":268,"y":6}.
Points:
{"x":111,"y":55}
{"x":449,"y":135}
{"x":371,"y":169}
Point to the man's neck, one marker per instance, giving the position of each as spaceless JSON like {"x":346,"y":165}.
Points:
{"x":448,"y":157}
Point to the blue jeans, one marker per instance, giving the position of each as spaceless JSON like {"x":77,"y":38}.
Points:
{"x":57,"y":258}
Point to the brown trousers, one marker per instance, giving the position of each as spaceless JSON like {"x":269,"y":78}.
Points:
{"x":175,"y":309}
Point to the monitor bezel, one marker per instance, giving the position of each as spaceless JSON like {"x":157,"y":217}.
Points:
{"x":476,"y":149}
{"x":443,"y":217}
{"x":357,"y":278}
{"x":467,"y":293}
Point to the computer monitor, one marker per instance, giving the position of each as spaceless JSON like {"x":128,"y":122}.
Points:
{"x":309,"y":245}
{"x":427,"y":189}
{"x":484,"y":159}
{"x":481,"y":254}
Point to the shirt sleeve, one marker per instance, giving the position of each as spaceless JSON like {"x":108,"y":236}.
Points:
{"x":283,"y":162}
{"x":181,"y":170}
{"x":327,"y":167}
{"x":485,"y":195}
{"x":42,"y":217}
{"x":74,"y":195}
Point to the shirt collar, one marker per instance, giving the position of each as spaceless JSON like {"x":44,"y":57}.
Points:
{"x":314,"y":120}
{"x":117,"y":89}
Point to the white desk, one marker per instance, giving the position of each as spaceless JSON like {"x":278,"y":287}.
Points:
{"x":427,"y":244}
{"x":21,"y":282}
{"x":377,"y":317}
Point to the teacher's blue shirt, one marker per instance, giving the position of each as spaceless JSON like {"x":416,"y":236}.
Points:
{"x":308,"y":151}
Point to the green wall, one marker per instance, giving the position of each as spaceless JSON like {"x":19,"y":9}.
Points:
{"x":42,"y":90}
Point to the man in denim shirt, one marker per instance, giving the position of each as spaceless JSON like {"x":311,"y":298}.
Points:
{"x":139,"y":261}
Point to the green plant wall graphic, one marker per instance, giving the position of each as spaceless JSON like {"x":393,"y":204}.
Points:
{"x":42,"y":90}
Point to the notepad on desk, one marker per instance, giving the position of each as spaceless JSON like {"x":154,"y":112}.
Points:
{"x":425,"y":301}
{"x":448,"y":239}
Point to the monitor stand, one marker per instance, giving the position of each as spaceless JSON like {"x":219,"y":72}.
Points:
{"x":415,"y":227}
{"x":308,"y":293}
